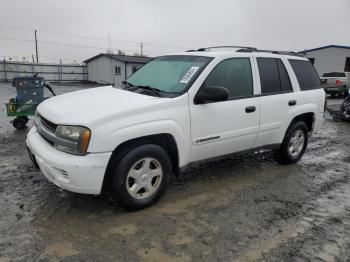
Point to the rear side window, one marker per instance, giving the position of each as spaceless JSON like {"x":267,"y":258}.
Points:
{"x":306,"y":74}
{"x":235,"y":74}
{"x":284,"y":77}
{"x":273,"y":76}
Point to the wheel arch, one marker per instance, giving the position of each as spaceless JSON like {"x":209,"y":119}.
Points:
{"x":164,"y":140}
{"x":308,"y":118}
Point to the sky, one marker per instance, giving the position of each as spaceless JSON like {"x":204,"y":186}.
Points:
{"x":74,"y":30}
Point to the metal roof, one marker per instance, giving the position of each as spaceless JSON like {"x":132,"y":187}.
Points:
{"x":324,"y":47}
{"x":122,"y":58}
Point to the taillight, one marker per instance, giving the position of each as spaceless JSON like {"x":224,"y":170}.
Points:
{"x":337,"y":82}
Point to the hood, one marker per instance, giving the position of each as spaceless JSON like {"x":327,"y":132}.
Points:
{"x":86,"y":106}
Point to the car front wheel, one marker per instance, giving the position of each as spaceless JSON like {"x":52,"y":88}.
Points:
{"x":141,"y":177}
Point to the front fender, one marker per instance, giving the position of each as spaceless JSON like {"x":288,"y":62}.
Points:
{"x":124,"y":134}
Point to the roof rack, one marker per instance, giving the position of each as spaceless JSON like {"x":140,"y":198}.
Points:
{"x":223,"y":46}
{"x":291,"y":53}
{"x":244,"y":49}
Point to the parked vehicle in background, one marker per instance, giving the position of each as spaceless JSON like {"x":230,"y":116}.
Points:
{"x":343,"y":114}
{"x":176,"y":111}
{"x":336,"y":83}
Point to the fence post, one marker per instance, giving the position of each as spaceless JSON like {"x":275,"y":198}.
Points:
{"x":5,"y":74}
{"x":60,"y":70}
{"x":58,"y":73}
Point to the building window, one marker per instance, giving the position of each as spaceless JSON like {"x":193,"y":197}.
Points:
{"x":117,"y":70}
{"x":347,"y":65}
{"x":312,"y":60}
{"x":135,"y":68}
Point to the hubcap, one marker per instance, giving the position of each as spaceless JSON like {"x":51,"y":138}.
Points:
{"x":296,"y":143}
{"x":144,"y":178}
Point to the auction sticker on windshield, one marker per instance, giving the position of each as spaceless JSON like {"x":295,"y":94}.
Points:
{"x":189,"y":74}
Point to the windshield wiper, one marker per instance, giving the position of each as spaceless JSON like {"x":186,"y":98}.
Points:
{"x":127,"y":84}
{"x":154,"y":90}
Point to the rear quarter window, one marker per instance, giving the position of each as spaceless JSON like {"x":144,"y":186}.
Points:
{"x":306,"y":74}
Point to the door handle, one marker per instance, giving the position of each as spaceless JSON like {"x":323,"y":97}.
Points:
{"x":292,"y":102}
{"x":250,"y":109}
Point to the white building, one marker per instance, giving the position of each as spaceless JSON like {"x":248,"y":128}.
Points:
{"x":331,"y":58}
{"x":112,"y":69}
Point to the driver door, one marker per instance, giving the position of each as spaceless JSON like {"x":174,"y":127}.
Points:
{"x":220,"y":128}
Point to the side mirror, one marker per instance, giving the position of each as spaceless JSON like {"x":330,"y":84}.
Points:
{"x":209,"y":94}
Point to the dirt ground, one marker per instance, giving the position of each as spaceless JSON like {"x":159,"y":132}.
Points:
{"x":240,"y":209}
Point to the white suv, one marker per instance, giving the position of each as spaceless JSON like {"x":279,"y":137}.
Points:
{"x":176,"y":111}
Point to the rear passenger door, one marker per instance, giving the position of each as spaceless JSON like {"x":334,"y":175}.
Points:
{"x":276,"y":100}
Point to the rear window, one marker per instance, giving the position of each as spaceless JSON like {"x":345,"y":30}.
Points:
{"x":306,"y":74}
{"x":334,"y":74}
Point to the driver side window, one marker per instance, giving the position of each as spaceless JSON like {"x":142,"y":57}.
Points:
{"x":235,"y":75}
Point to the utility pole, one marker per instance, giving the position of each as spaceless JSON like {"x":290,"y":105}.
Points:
{"x":36,"y":48}
{"x":109,"y":50}
{"x":141,"y":46}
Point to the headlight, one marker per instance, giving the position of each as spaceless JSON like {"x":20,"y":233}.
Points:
{"x":72,"y":139}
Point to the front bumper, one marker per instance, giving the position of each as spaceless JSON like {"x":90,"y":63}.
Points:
{"x":81,"y":174}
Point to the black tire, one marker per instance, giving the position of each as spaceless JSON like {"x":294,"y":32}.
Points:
{"x":283,"y":154}
{"x":19,"y":122}
{"x":337,"y":118}
{"x":118,"y":188}
{"x":26,"y":119}
{"x":333,"y":95}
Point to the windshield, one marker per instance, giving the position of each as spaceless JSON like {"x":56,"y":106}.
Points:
{"x":334,"y":74}
{"x":169,"y":74}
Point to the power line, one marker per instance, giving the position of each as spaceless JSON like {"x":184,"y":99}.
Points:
{"x":95,"y":38}
{"x":70,"y":44}
{"x":16,"y":39}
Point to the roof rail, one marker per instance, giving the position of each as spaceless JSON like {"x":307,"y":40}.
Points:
{"x":246,"y":49}
{"x":223,"y":46}
{"x":292,"y":53}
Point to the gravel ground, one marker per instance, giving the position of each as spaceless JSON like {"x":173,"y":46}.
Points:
{"x":244,"y":209}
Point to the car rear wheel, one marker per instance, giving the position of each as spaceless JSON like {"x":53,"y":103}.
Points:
{"x":294,"y":144}
{"x":141,"y":177}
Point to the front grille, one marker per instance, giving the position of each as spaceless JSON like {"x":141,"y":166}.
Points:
{"x":46,"y":129}
{"x":49,"y":125}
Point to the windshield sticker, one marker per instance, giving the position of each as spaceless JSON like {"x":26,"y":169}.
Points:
{"x":189,"y":74}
